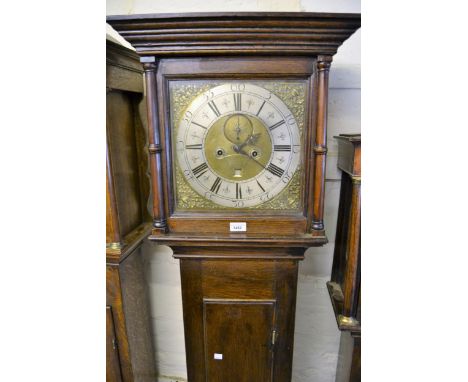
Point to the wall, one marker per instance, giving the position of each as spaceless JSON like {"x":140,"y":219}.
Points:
{"x":316,"y":335}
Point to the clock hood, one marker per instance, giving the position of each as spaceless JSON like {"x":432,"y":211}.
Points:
{"x":244,"y":33}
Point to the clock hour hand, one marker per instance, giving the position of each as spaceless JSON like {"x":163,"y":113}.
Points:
{"x":250,"y":141}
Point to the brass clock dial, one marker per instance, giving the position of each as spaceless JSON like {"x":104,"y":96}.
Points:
{"x":238,"y":145}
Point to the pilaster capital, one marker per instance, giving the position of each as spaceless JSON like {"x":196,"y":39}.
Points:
{"x":150,"y":64}
{"x":324,"y":62}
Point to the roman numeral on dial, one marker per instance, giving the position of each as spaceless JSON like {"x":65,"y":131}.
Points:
{"x":275,"y":170}
{"x":200,"y":170}
{"x":238,"y":191}
{"x":194,"y":147}
{"x":203,"y":127}
{"x":237,"y":101}
{"x":276,"y":125}
{"x":216,"y":185}
{"x":259,"y":185}
{"x":213,"y":107}
{"x":261,"y":107}
{"x":282,"y":147}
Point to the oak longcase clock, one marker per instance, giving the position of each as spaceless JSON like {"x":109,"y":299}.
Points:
{"x":237,"y":116}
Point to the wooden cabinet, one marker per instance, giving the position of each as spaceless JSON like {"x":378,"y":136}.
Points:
{"x":112,"y":352}
{"x":345,"y":284}
{"x":129,"y":342}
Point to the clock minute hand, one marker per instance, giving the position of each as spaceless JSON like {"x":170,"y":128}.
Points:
{"x":248,"y":156}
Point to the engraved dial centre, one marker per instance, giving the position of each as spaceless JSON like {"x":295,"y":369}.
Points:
{"x":232,"y":146}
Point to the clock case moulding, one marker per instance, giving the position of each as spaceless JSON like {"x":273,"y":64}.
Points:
{"x":237,"y":46}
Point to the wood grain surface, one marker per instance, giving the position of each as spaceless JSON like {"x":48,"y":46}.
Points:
{"x":243,"y":33}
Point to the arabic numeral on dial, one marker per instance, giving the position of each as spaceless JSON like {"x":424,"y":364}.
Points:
{"x":286,"y":178}
{"x":265,"y":197}
{"x":188,"y":174}
{"x":238,"y":87}
{"x":208,"y":195}
{"x":290,"y":119}
{"x":208,"y":95}
{"x":187,"y":116}
{"x":238,"y":203}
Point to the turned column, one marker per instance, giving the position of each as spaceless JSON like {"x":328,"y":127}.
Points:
{"x":150,"y":67}
{"x":350,"y":289}
{"x":320,"y":143}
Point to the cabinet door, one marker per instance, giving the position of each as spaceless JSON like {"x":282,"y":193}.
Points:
{"x":112,"y":353}
{"x":238,"y":340}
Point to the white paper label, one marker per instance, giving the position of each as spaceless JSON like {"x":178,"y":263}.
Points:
{"x":238,"y":227}
{"x":218,"y":356}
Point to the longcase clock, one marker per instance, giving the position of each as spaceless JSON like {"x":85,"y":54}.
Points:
{"x":237,"y":116}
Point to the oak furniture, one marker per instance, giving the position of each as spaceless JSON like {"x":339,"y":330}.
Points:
{"x":237,"y":120}
{"x":129,"y":352}
{"x":345,"y":284}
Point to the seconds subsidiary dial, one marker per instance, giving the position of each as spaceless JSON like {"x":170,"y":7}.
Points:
{"x":238,"y":145}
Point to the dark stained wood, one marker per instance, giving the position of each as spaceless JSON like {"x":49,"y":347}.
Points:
{"x":346,"y":259}
{"x":123,"y":70}
{"x":112,"y":219}
{"x":338,"y":268}
{"x":257,"y":226}
{"x":345,"y":284}
{"x":192,"y":301}
{"x":314,"y":36}
{"x":159,"y":218}
{"x":285,"y":291}
{"x":123,"y":155}
{"x":126,"y":295}
{"x":127,"y":186}
{"x":241,"y":331}
{"x":130,"y":242}
{"x":114,"y":300}
{"x":239,"y":240}
{"x":234,"y":68}
{"x":249,"y":33}
{"x":136,"y":307}
{"x":355,"y":372}
{"x":232,"y":282}
{"x":244,"y":281}
{"x":349,"y":159}
{"x":112,"y":352}
{"x":221,"y":251}
{"x":351,"y":281}
{"x":320,"y":146}
{"x":349,"y":358}
{"x":129,"y":347}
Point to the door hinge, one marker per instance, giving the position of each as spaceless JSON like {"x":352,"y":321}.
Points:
{"x":274,"y":337}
